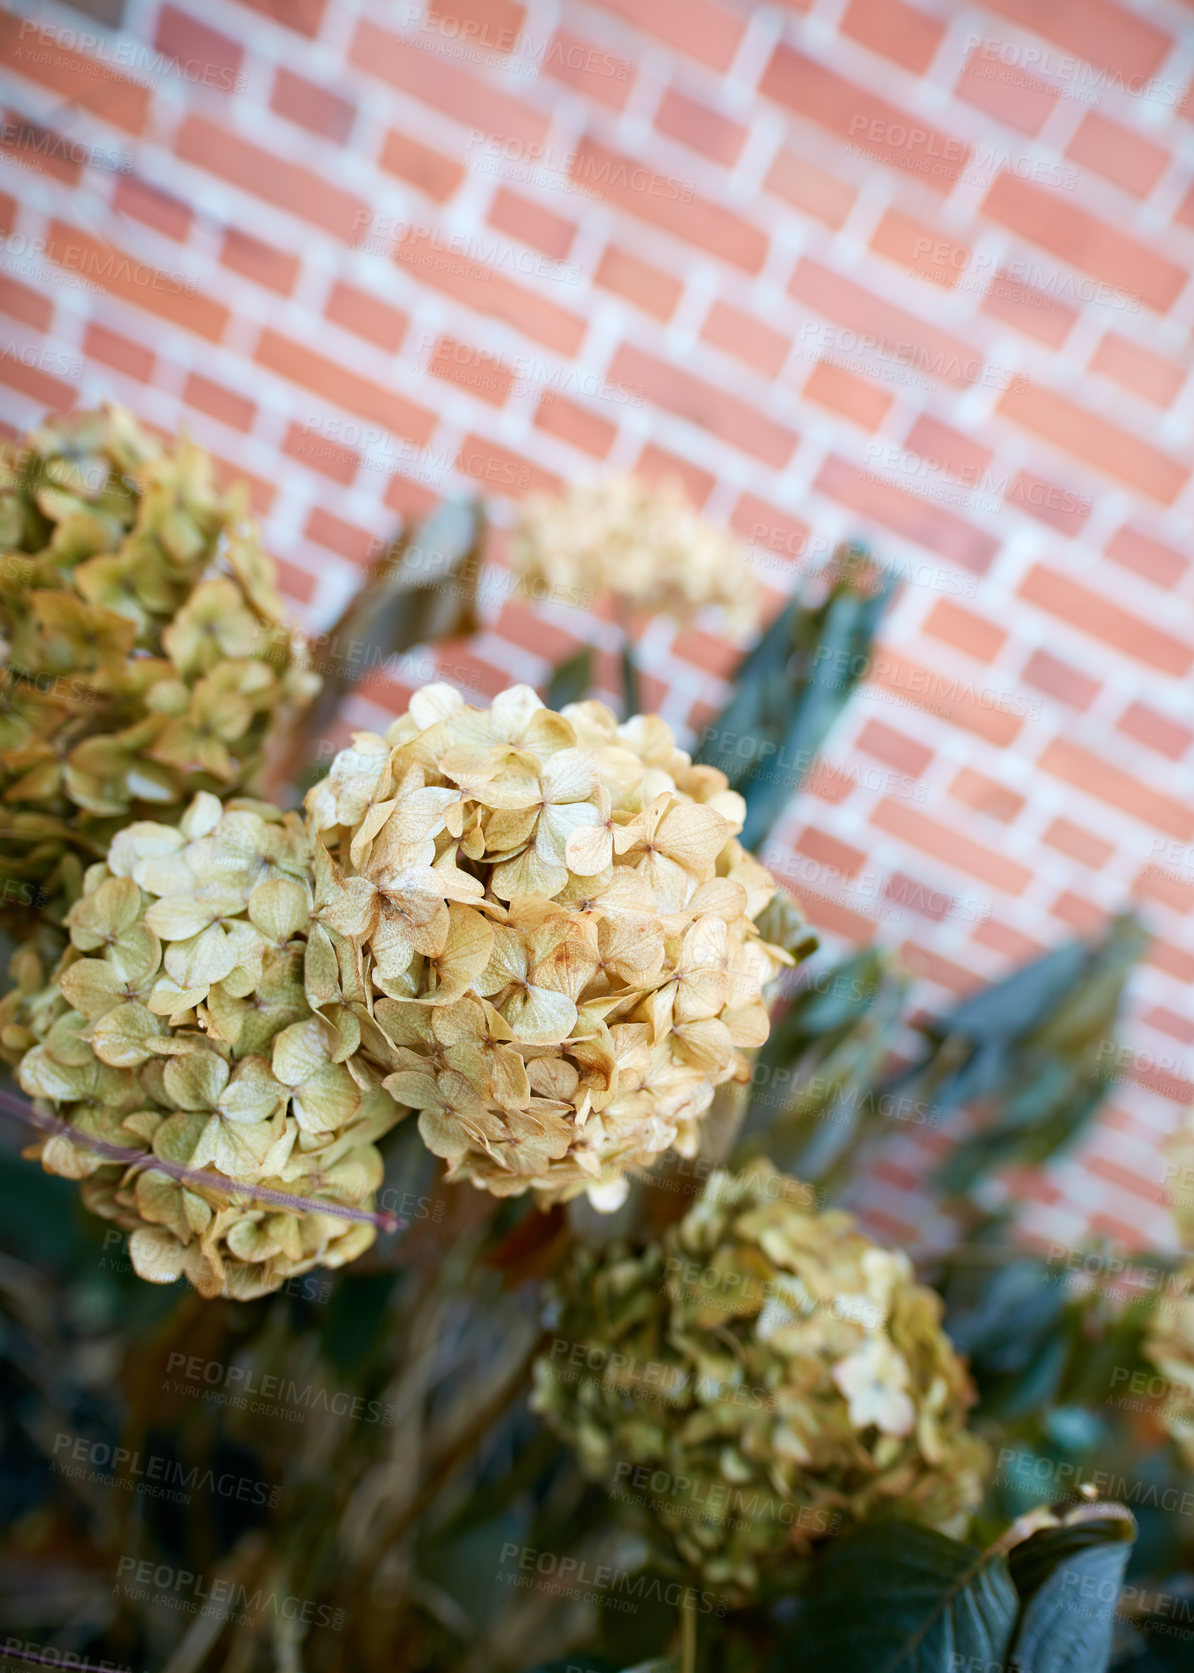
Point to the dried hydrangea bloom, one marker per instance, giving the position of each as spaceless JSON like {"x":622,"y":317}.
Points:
{"x":643,"y":544}
{"x":195,"y":1018}
{"x":759,"y":1378}
{"x":144,"y":651}
{"x":556,"y":927}
{"x":1169,"y":1345}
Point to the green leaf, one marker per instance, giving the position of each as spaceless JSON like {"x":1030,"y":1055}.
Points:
{"x":1069,"y":1580}
{"x":793,"y":685}
{"x":898,"y":1598}
{"x":572,"y":680}
{"x":632,"y":703}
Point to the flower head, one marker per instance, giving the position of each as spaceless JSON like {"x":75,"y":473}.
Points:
{"x":191,"y":1023}
{"x":559,"y":959}
{"x":776,"y":1374}
{"x":144,"y":654}
{"x":644,"y":545}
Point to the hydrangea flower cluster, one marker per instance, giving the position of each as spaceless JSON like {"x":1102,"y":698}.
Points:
{"x":558,"y":926}
{"x":644,"y":545}
{"x":200,"y":1017}
{"x":144,"y":651}
{"x":760,"y":1377}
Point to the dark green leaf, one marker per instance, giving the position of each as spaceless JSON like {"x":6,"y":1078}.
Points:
{"x":898,"y":1598}
{"x":1069,"y":1580}
{"x":571,"y":681}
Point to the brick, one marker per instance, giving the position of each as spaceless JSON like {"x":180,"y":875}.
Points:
{"x":986,"y":795}
{"x":477,"y":371}
{"x":958,"y":702}
{"x":272,"y":268}
{"x":262,"y":494}
{"x":746,"y":337}
{"x":366,"y":316}
{"x":326,"y":529}
{"x":410,"y":499}
{"x":1095,"y":776}
{"x":435,"y":175}
{"x":812,"y":190}
{"x":1032,"y":311}
{"x":76,"y":77}
{"x":8,"y":212}
{"x":18,"y":301}
{"x":1005,"y":91}
{"x":134,"y":360}
{"x":920,"y":249}
{"x":305,"y":17}
{"x":1162,"y":886}
{"x":320,"y":453}
{"x":502,"y":470}
{"x":39,"y":386}
{"x":914,"y":896}
{"x":344,"y":388}
{"x":950,"y":847}
{"x":212,"y":59}
{"x":1058,"y":508}
{"x":948,"y":448}
{"x":1096,"y":441}
{"x":1059,"y":681}
{"x":636,"y":280}
{"x":656,"y":464}
{"x":905,"y":34}
{"x":218,"y":402}
{"x":894,"y":335}
{"x":1174,"y":961}
{"x":542,"y":638}
{"x":702,"y":30}
{"x":1078,"y":844}
{"x":1125,"y":158}
{"x":1106,"y":620}
{"x":1185,"y":209}
{"x":144,"y":202}
{"x":830,"y":917}
{"x":300,"y":191}
{"x":701,"y":128}
{"x":774,"y":534}
{"x":848,"y":395}
{"x":28,"y":145}
{"x":1100,"y":31}
{"x":1016,"y":948}
{"x":668,"y":204}
{"x":1084,"y":241}
{"x":874,"y":128}
{"x":827,"y":784}
{"x":590,"y":70}
{"x":164,"y":294}
{"x":839,"y":858}
{"x":574,"y":424}
{"x":1153,"y":377}
{"x":437,"y":81}
{"x":908,"y":515}
{"x":531,"y":223}
{"x":492,"y":25}
{"x":965,"y":631}
{"x":1155,"y":730}
{"x":1145,"y":556}
{"x":1170,"y":1022}
{"x":487,"y":291}
{"x":894,"y":748}
{"x":312,"y":106}
{"x":711,"y":408}
{"x":711,"y":652}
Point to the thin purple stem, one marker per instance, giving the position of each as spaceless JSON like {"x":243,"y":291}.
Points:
{"x":10,"y":1104}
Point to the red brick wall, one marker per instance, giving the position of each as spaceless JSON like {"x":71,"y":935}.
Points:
{"x":850,"y":266}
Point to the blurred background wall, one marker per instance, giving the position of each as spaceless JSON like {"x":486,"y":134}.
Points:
{"x":915,"y":272}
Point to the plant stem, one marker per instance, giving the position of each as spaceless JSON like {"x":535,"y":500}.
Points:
{"x":630,"y":696}
{"x":688,"y":1622}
